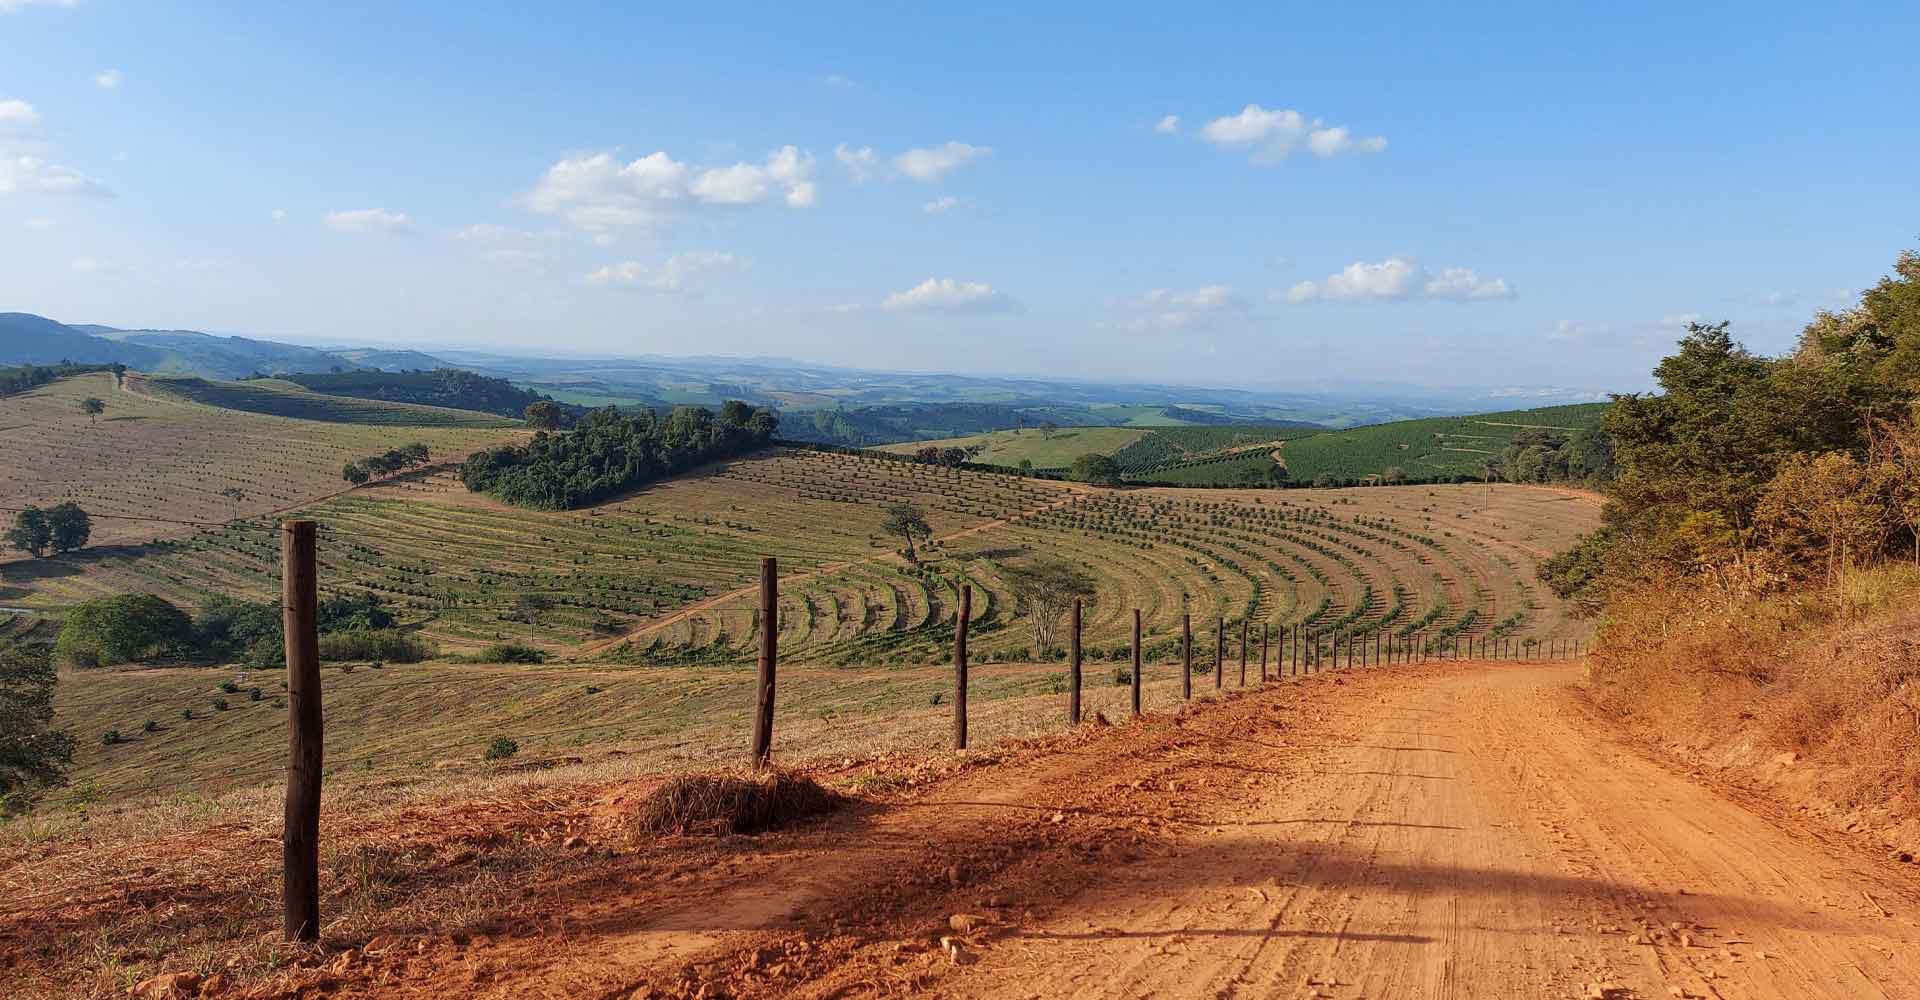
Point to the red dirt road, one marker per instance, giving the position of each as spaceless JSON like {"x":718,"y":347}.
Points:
{"x":1440,"y":831}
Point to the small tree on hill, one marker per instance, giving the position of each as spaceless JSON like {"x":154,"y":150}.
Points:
{"x":31,"y":532}
{"x":1048,"y":430}
{"x":907,"y":521}
{"x":355,"y":473}
{"x":93,"y":406}
{"x":1099,"y":470}
{"x":1043,"y":592}
{"x":68,"y":527}
{"x":545,"y":416}
{"x":33,"y":755}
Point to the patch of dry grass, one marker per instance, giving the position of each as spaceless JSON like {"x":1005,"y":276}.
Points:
{"x":732,"y":802}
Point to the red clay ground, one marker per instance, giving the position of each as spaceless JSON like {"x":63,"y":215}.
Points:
{"x":1439,"y":831}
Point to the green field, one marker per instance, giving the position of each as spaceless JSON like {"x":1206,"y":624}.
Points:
{"x":1045,"y":451}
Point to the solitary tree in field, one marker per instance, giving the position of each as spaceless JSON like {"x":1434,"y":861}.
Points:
{"x":68,"y":527}
{"x":1043,"y":592}
{"x":1097,"y":469}
{"x":906,"y":520}
{"x":1049,"y":429}
{"x":544,"y":416}
{"x":234,"y":495}
{"x":31,"y":532}
{"x":93,"y":406}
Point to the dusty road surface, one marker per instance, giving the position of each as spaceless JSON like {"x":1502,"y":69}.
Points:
{"x":1438,"y":831}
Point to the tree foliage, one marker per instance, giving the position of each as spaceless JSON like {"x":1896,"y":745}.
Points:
{"x":61,"y":528}
{"x":607,"y":453}
{"x":124,"y":628}
{"x":1099,"y":470}
{"x":545,"y":415}
{"x":907,"y":521}
{"x":33,"y":755}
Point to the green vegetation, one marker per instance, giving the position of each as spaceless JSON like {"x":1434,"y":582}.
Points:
{"x":125,"y":628}
{"x":59,"y":529}
{"x":23,"y":377}
{"x":33,"y":754}
{"x":607,"y":454}
{"x":391,"y":462}
{"x":452,"y":388}
{"x":282,"y":398}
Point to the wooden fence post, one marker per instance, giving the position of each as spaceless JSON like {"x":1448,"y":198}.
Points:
{"x":1186,"y":655}
{"x":1219,"y":651}
{"x":1266,"y":635}
{"x":1136,"y":662}
{"x":769,"y":656}
{"x":1243,"y":652}
{"x":1073,"y":668}
{"x":1293,"y":661}
{"x":960,"y":668}
{"x":300,"y":837}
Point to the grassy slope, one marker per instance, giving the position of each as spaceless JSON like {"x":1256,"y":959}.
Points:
{"x":286,"y":399}
{"x":1009,"y":447}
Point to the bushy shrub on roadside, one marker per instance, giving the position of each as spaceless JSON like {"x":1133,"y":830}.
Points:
{"x":510,"y":652}
{"x":383,"y":645}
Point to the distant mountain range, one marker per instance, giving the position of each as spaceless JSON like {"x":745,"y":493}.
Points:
{"x":876,"y":404}
{"x":29,"y":339}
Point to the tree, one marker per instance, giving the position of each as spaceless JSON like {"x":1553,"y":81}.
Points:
{"x":68,"y":527}
{"x":93,"y":406}
{"x":355,"y":473}
{"x":1392,"y":474}
{"x":1099,"y":470}
{"x":31,"y":532}
{"x":33,"y":755}
{"x":907,"y":521}
{"x":545,"y":415}
{"x":1049,"y":429}
{"x":1830,"y":503}
{"x":124,"y":628}
{"x":1043,"y":592}
{"x":416,"y":454}
{"x":235,"y":495}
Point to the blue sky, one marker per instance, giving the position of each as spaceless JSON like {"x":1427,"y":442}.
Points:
{"x":1439,"y":194}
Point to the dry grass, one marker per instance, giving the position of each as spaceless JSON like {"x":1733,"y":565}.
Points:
{"x":737,"y":802}
{"x":1831,"y":677}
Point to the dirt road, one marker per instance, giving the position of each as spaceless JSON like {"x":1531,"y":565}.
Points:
{"x":1440,"y":831}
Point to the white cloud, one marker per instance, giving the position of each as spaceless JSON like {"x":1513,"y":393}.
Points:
{"x":369,"y":220}
{"x":86,"y":264}
{"x":107,"y":79}
{"x":11,"y":6}
{"x":14,"y":111}
{"x":597,"y":192}
{"x":838,"y":82}
{"x":278,"y":215}
{"x":675,"y":274}
{"x":1400,"y":279}
{"x":930,"y":165}
{"x":1679,"y":321}
{"x":1200,"y":308}
{"x":31,"y":174}
{"x":1573,"y":329}
{"x":486,"y":232}
{"x":42,"y":224}
{"x":1275,"y":134}
{"x":861,"y":163}
{"x":1168,"y":125}
{"x":948,"y":295}
{"x":941,"y":205}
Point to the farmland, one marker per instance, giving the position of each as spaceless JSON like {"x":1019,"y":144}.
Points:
{"x":1131,"y":447}
{"x":160,"y":456}
{"x":281,"y":398}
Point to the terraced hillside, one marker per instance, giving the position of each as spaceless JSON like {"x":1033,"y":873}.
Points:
{"x":154,"y":455}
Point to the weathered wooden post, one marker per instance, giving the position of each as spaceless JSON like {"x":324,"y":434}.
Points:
{"x":960,"y":668}
{"x":769,"y":656}
{"x":1186,"y":655}
{"x":300,"y":837}
{"x":1219,"y":651}
{"x":1136,"y":662}
{"x":1293,"y":661}
{"x":1073,"y":668}
{"x":1243,"y":652}
{"x":1266,"y":635}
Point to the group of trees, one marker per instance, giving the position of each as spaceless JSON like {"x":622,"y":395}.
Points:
{"x":608,"y":453}
{"x":1540,"y":455}
{"x":143,"y":628}
{"x":58,"y":529}
{"x":952,"y":457}
{"x":451,"y":387}
{"x":1754,"y":472}
{"x":1100,"y":470}
{"x":20,"y":378}
{"x":394,"y":460}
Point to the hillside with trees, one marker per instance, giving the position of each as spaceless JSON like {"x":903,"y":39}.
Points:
{"x":608,"y":453}
{"x":453,"y":388}
{"x":1757,"y":567}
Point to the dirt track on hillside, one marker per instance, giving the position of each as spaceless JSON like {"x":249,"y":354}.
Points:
{"x":1440,"y":831}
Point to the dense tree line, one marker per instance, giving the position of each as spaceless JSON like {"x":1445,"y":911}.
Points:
{"x":390,"y":462}
{"x":20,"y":378}
{"x":1552,"y":456}
{"x":1753,"y":472}
{"x":607,"y":453}
{"x":143,"y":628}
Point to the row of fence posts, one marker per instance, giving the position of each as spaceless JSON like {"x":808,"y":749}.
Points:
{"x":1302,"y":651}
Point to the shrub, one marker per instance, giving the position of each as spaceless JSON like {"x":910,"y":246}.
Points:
{"x":732,"y":803}
{"x":219,"y":704}
{"x":110,"y":737}
{"x":1123,"y":677}
{"x":124,"y":628}
{"x":186,"y":713}
{"x":501,"y":748}
{"x":254,"y":694}
{"x":229,"y":687}
{"x":378,"y":645}
{"x":150,"y":726}
{"x":511,"y":652}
